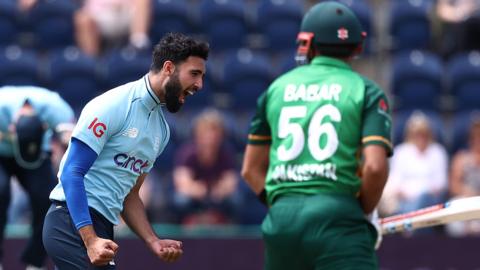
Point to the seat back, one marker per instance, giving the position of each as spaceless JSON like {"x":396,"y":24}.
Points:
{"x":18,"y":66}
{"x":170,"y":16}
{"x":416,"y":80}
{"x":74,"y":76}
{"x":409,"y":25}
{"x":246,"y":76}
{"x":279,"y":21}
{"x":224,"y":23}
{"x":464,"y":80}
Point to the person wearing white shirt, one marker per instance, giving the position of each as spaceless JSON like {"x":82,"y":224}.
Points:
{"x":418,"y":170}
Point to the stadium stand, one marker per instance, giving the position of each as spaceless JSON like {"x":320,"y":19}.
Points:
{"x":170,"y":15}
{"x":409,"y":25}
{"x":464,"y":80}
{"x":123,"y":65}
{"x":246,"y":76}
{"x":18,"y":66}
{"x":416,"y":80}
{"x":73,"y":75}
{"x":52,"y":24}
{"x":273,"y":15}
{"x":8,"y":23}
{"x":224,"y":23}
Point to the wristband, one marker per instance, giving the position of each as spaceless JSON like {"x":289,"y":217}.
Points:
{"x":262,"y":196}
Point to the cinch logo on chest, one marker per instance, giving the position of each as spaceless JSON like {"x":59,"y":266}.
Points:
{"x":132,"y":163}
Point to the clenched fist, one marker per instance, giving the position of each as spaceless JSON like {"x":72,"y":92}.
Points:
{"x":101,"y":251}
{"x":166,"y":249}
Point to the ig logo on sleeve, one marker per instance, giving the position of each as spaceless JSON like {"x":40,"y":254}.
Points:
{"x":98,"y":129}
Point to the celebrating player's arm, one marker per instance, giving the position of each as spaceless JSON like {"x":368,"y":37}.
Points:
{"x":79,"y":159}
{"x":134,"y":215}
{"x":256,"y":158}
{"x":376,"y":146}
{"x":100,"y":251}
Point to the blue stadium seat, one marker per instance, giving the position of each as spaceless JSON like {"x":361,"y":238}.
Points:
{"x":74,"y":76}
{"x":18,"y":66}
{"x":409,"y":25}
{"x":279,"y":21}
{"x":460,"y":129}
{"x":416,"y":80}
{"x":285,"y":62}
{"x":224,"y":22}
{"x":52,"y":24}
{"x":8,"y":22}
{"x":170,"y":16}
{"x":400,"y":119}
{"x":246,"y":76}
{"x":464,"y":80}
{"x":124,"y":65}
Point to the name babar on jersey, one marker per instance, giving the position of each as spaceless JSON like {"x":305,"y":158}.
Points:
{"x":317,"y":127}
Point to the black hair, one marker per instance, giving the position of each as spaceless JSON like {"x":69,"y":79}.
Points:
{"x":337,"y":50}
{"x":177,"y":47}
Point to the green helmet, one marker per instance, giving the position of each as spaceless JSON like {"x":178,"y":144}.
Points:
{"x":332,"y":23}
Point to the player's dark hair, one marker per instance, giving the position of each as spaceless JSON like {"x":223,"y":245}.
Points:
{"x":336,"y":50}
{"x":177,"y":47}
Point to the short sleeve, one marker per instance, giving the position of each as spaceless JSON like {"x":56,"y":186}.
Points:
{"x":377,"y":120}
{"x":259,"y":132}
{"x":100,"y":119}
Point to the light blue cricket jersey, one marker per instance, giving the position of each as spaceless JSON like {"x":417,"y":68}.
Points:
{"x":48,"y":105}
{"x":127,"y":129}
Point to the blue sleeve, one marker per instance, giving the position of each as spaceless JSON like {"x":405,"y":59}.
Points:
{"x":79,"y":160}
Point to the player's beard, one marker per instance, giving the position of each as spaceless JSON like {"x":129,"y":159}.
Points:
{"x":173,"y":89}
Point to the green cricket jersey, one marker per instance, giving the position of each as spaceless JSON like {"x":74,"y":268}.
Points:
{"x":316,"y":119}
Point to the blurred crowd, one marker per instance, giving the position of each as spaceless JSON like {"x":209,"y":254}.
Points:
{"x":419,"y":50}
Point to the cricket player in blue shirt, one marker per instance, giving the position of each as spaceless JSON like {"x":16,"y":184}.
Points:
{"x":29,"y":117}
{"x":117,"y":138}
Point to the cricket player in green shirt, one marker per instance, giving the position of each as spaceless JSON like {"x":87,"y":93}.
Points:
{"x":317,"y":151}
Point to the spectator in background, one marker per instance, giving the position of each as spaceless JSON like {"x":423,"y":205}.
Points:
{"x":112,"y":22}
{"x":26,"y":5}
{"x":460,"y":25}
{"x":204,"y":176}
{"x":29,"y":117}
{"x":465,"y":179}
{"x":418,"y":172}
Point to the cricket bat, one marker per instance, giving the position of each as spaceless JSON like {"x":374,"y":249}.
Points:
{"x":455,"y":210}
